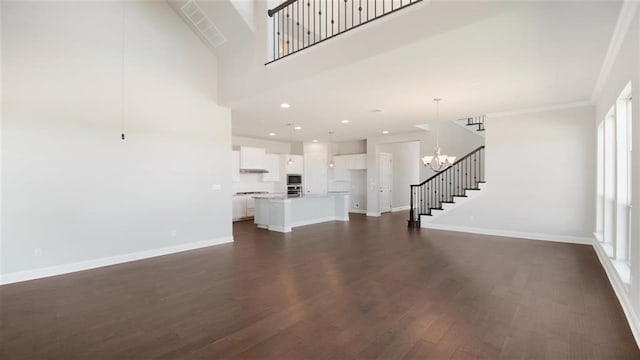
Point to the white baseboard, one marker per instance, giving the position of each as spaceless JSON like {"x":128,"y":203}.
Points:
{"x":358,"y":211}
{"x":620,"y":289}
{"x":401,"y":208}
{"x":373,"y":213}
{"x":513,"y":234}
{"x":281,"y":229}
{"x":107,"y":261}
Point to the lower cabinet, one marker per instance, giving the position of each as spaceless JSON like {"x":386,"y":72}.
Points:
{"x":243,"y":206}
{"x":239,"y":207}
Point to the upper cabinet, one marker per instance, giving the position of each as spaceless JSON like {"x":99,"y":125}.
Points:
{"x":272,"y":165}
{"x":357,"y":162}
{"x":296,"y":166}
{"x":252,"y":158}
{"x":341,"y":168}
{"x":235,"y":166}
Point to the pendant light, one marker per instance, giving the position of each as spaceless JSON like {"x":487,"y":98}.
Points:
{"x":438,"y":162}
{"x":122,"y":135}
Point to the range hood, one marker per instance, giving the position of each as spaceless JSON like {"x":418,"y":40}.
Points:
{"x":253,"y":171}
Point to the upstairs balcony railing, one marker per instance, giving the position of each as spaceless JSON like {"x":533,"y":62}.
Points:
{"x":299,"y":24}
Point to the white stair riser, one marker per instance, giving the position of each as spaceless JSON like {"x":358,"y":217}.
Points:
{"x":459,"y":201}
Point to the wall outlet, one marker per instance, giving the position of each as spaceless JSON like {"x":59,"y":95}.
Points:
{"x":472,"y":218}
{"x":216,"y":187}
{"x":37,"y":252}
{"x":174,"y":233}
{"x":356,"y":205}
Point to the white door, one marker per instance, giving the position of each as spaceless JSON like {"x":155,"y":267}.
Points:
{"x":315,"y":175}
{"x":385,"y":181}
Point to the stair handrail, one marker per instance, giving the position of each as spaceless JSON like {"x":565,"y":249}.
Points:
{"x":270,"y":12}
{"x":452,"y":165}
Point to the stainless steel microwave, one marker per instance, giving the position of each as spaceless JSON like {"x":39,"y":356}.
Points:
{"x":294,"y":179}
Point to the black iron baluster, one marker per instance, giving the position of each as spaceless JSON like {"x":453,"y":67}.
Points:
{"x":359,"y":11}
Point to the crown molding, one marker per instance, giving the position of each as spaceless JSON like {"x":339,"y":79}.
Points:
{"x":540,"y":109}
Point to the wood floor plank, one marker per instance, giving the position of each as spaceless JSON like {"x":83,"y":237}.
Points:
{"x":370,"y":289}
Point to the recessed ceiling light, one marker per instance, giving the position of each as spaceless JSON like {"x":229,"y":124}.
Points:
{"x":376,"y":110}
{"x":298,"y":127}
{"x":285,"y":105}
{"x":315,"y":140}
{"x":272,"y":134}
{"x":385,"y":131}
{"x":345,"y":121}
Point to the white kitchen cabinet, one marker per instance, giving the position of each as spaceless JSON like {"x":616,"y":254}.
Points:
{"x":235,"y":166}
{"x":272,"y":165}
{"x":239,"y":206}
{"x":357,"y":162}
{"x":250,"y":204}
{"x":340,"y":168}
{"x":297,"y":167}
{"x":315,"y":174}
{"x":252,"y":158}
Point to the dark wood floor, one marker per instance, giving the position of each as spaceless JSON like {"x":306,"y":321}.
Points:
{"x":370,"y":288}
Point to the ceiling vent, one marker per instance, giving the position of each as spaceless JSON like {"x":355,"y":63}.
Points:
{"x":203,"y":24}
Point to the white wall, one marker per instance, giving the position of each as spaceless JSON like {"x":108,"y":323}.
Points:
{"x":351,"y":147}
{"x":540,"y":176}
{"x":454,"y":140}
{"x":406,"y":170}
{"x":71,"y":187}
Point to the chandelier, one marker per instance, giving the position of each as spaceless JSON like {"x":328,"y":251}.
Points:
{"x":438,"y":162}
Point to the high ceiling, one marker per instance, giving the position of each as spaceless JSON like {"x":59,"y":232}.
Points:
{"x":530,"y":55}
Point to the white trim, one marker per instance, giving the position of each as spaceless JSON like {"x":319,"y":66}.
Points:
{"x":620,"y":289}
{"x":513,"y":234}
{"x":357,"y":211}
{"x":281,"y":229}
{"x":316,"y":221}
{"x":373,"y":213}
{"x":400,"y":208}
{"x":625,"y":19}
{"x":540,"y":109}
{"x":107,"y":261}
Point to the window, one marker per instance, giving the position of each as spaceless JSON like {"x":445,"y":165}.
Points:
{"x":614,"y":179}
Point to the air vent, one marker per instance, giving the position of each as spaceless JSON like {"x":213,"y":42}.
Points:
{"x":203,"y":24}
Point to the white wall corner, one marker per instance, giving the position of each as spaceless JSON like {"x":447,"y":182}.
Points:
{"x":107,"y":261}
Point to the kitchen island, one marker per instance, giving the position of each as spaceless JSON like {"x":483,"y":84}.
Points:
{"x":282,"y":213}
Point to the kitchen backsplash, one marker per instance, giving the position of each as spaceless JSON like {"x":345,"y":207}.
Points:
{"x":252,"y":182}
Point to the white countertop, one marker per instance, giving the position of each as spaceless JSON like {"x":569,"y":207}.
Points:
{"x":296,"y":197}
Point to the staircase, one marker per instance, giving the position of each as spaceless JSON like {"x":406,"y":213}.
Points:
{"x":458,"y":182}
{"x":475,"y":124}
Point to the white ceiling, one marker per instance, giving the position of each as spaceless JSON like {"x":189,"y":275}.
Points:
{"x":531,"y":55}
